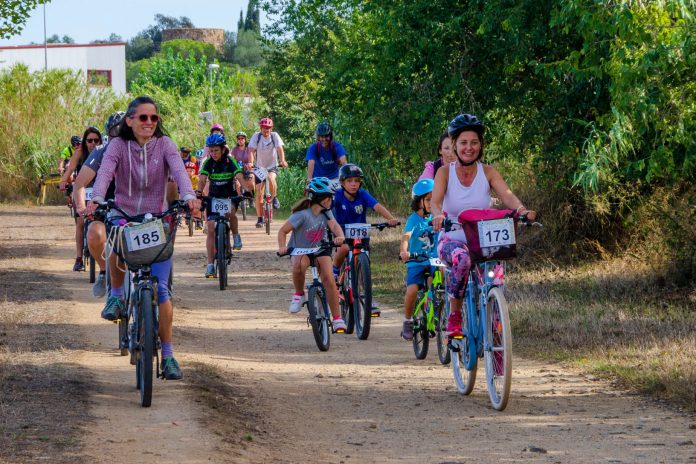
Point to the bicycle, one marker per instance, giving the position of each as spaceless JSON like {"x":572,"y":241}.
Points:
{"x":486,"y":329}
{"x":222,"y":207}
{"x":319,"y":317}
{"x":87,"y":257}
{"x":262,"y":175}
{"x":355,"y":279}
{"x":142,"y":241}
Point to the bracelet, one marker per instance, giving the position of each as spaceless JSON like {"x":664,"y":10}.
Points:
{"x":519,"y":208}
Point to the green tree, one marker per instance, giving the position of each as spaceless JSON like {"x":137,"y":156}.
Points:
{"x":14,"y":14}
{"x":229,"y":46}
{"x":139,"y":47}
{"x":66,"y":39}
{"x":248,"y":52}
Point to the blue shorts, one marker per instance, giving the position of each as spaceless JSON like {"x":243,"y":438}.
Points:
{"x":415,"y":275}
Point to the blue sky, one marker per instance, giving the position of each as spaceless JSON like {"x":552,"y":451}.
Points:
{"x":86,"y":21}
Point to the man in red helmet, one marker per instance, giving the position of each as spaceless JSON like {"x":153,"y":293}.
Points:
{"x":266,"y":151}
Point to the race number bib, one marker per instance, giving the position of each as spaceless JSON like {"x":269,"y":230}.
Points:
{"x":357,"y":230}
{"x":436,"y":262}
{"x":88,"y":194}
{"x":303,"y":251}
{"x":495,"y":233}
{"x":147,"y":235}
{"x":261,"y":173}
{"x":221,"y":205}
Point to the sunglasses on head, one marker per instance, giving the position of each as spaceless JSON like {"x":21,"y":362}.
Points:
{"x":144,"y":117}
{"x":91,"y":140}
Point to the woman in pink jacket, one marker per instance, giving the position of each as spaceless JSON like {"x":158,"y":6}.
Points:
{"x":141,"y":158}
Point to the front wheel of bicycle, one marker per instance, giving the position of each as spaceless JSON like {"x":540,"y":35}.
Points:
{"x":146,"y":344}
{"x":268,"y":217}
{"x":220,"y":233}
{"x":421,"y":337}
{"x":362,"y":295}
{"x":318,"y":319}
{"x":346,"y":299}
{"x":498,"y":354}
{"x":461,"y":357}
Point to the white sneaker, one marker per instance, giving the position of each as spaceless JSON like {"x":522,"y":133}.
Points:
{"x":296,"y":304}
{"x":99,"y":287}
{"x":339,"y":325}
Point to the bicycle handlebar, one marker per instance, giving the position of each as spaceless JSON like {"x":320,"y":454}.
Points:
{"x":109,"y":205}
{"x":323,"y":246}
{"x":383,"y":225}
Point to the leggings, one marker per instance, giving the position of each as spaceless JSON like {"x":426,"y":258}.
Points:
{"x":161,"y":271}
{"x":455,"y":254}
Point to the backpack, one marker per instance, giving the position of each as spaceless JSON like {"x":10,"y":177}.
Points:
{"x":258,"y":139}
{"x":332,"y":147}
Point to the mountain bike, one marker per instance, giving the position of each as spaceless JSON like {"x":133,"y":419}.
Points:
{"x":486,"y":329}
{"x":141,"y":242}
{"x":355,"y":279}
{"x":222,"y":208}
{"x":319,"y":317}
{"x":87,"y":257}
{"x":262,"y":175}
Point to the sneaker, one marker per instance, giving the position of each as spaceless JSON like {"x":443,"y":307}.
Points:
{"x":171,"y":369}
{"x":210,"y":271}
{"x":259,"y":223}
{"x":198,"y":225}
{"x":276,"y":203}
{"x":454,"y":324}
{"x":407,"y":330}
{"x":237,"y":242}
{"x":79,"y":265}
{"x":205,"y":228}
{"x":296,"y":304}
{"x":339,"y":325}
{"x":99,"y":287}
{"x":113,"y":309}
{"x":375,"y":311}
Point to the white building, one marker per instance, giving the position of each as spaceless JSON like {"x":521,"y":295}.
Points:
{"x":103,"y":64}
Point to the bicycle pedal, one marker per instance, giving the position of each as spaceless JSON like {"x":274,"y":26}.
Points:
{"x":340,"y":331}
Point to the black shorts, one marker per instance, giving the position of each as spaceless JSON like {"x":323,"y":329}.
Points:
{"x":270,"y":170}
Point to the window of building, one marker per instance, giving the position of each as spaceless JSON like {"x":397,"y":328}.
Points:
{"x":99,"y":78}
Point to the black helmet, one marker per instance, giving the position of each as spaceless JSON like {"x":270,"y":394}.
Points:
{"x":349,"y":170}
{"x":75,"y":140}
{"x":114,"y":119}
{"x":465,"y":122}
{"x":324,"y":129}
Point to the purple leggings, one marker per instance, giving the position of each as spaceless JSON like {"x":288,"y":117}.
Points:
{"x":455,"y":254}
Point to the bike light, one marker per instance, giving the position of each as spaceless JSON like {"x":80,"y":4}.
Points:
{"x":490,"y":274}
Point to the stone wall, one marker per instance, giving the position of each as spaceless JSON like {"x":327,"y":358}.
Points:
{"x":215,"y":37}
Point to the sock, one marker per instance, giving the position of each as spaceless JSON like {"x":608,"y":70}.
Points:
{"x":299,"y":293}
{"x":167,"y":350}
{"x":260,"y":219}
{"x":337,"y":318}
{"x":407,"y":319}
{"x":117,"y":292}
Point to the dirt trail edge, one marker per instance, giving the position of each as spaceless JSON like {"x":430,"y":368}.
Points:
{"x":256,"y":388}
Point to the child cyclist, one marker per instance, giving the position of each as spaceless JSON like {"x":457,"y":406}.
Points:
{"x":417,"y":241}
{"x":308,"y":223}
{"x":350,"y":207}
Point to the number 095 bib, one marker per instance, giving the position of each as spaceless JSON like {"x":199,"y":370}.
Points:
{"x":221,"y":205}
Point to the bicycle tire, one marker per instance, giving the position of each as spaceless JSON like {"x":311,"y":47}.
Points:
{"x":220,"y":233}
{"x":421,"y":338}
{"x":123,"y":336}
{"x":268,"y":215}
{"x":243,"y":207}
{"x":464,"y":379}
{"x":443,"y":352}
{"x":362,"y":295}
{"x":146,"y":337}
{"x":92,"y":269}
{"x":191,"y":225}
{"x":347,"y":300}
{"x":498,"y":359}
{"x":319,"y":320}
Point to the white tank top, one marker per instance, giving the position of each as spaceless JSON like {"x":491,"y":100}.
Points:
{"x":459,"y":198}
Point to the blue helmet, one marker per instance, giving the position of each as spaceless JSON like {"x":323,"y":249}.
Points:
{"x":319,"y":187}
{"x":215,"y":140}
{"x":422,"y":187}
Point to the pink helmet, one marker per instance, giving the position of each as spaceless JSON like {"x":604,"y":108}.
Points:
{"x":266,"y":122}
{"x":217,"y":126}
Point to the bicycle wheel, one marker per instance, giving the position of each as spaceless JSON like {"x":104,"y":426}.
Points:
{"x":346,"y":300}
{"x":92,"y":269}
{"x":123,"y":335}
{"x":268,"y":215}
{"x":220,"y":233}
{"x":362,"y":295}
{"x":421,"y":338}
{"x":243,"y":207}
{"x":191,"y":224}
{"x":316,"y":305}
{"x":498,"y":358}
{"x":460,"y":353}
{"x":443,"y":352}
{"x":146,"y":342}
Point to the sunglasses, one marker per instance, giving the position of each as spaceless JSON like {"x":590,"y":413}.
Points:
{"x":144,"y":117}
{"x":91,"y":140}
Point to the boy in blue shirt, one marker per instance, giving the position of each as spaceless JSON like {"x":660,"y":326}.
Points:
{"x":350,"y":206}
{"x":416,"y":240}
{"x":325,"y":157}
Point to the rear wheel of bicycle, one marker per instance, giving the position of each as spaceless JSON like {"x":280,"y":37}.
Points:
{"x":498,"y":358}
{"x":318,"y":319}
{"x":221,"y":257}
{"x":443,"y":352}
{"x":460,"y":354}
{"x":123,"y":335}
{"x":362,"y":295}
{"x":421,"y":338}
{"x":346,"y":300}
{"x":146,"y":342}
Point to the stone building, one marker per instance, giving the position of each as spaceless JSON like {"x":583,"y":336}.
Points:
{"x":215,"y":37}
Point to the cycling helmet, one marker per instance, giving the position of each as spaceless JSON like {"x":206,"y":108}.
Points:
{"x":324,"y":129}
{"x":266,"y":122}
{"x":465,"y":122}
{"x":242,"y":134}
{"x":349,"y":170}
{"x":114,"y":119}
{"x":215,"y":140}
{"x":199,"y":153}
{"x":75,"y":140}
{"x":185,"y":149}
{"x":422,"y":187}
{"x":190,"y":165}
{"x":217,"y":126}
{"x":319,"y":187}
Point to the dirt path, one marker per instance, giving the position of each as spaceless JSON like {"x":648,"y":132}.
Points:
{"x":256,"y":389}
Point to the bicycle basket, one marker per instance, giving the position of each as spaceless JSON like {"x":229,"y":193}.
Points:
{"x":490,"y":233}
{"x":146,"y":243}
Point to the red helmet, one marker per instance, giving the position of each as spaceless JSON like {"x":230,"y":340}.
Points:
{"x":266,"y":122}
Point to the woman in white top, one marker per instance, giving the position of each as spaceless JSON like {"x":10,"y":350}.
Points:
{"x":465,"y":184}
